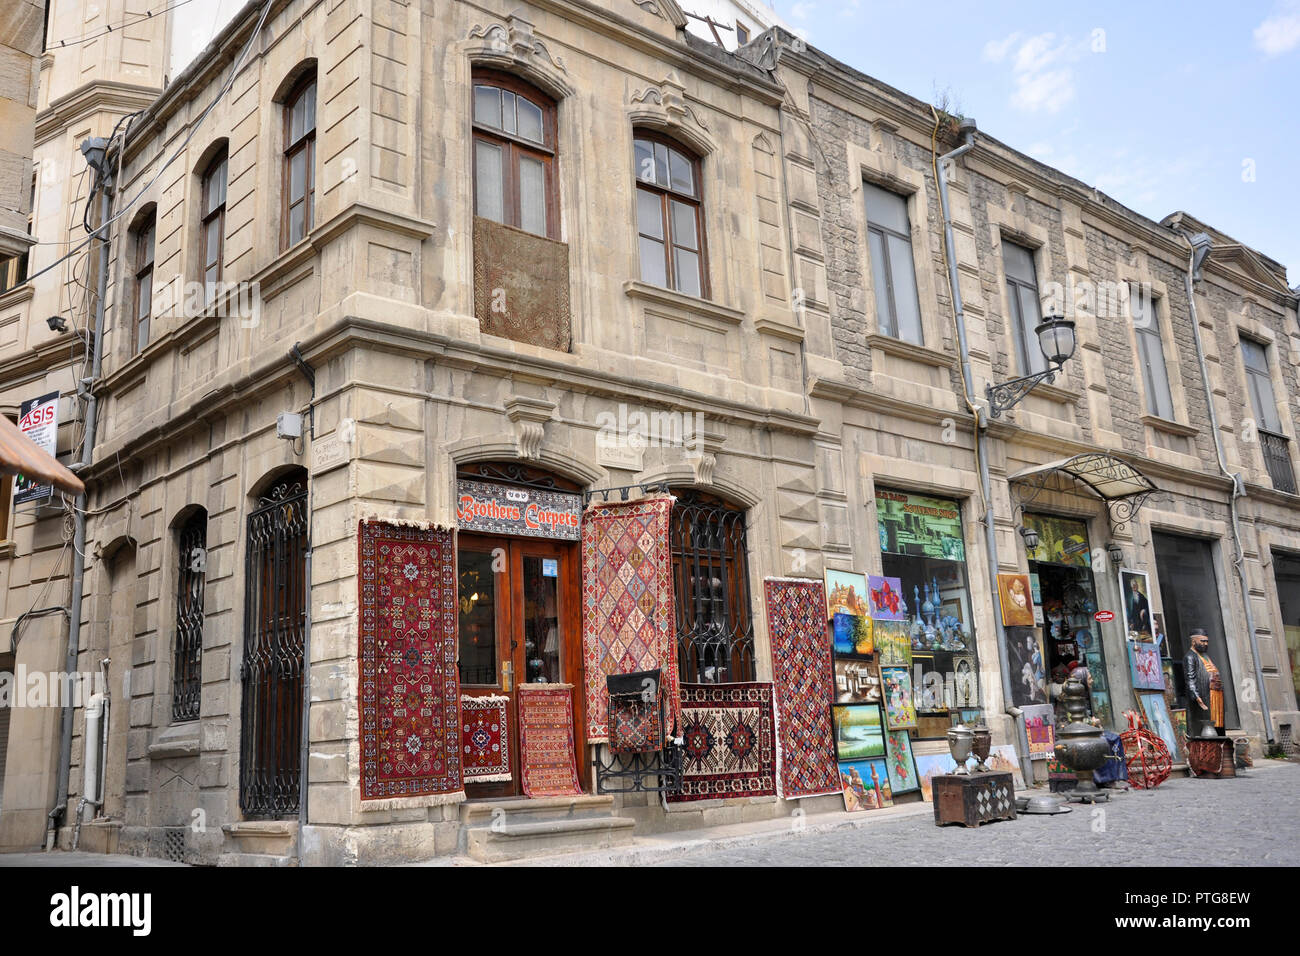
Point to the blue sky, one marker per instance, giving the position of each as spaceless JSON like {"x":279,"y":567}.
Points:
{"x":1163,"y":106}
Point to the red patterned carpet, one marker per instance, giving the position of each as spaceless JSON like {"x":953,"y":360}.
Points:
{"x":803,"y":681}
{"x":627,"y":603}
{"x":408,"y":689}
{"x":546,"y":759}
{"x":485,"y":738}
{"x":729,"y":749}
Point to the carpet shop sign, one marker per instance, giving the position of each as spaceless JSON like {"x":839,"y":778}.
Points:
{"x":500,"y":509}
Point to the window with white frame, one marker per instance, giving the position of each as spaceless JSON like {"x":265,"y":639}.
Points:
{"x":893,"y":272}
{"x":1023,"y":300}
{"x":1151,"y":354}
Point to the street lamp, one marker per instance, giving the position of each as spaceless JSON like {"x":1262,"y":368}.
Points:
{"x":1057,"y":340}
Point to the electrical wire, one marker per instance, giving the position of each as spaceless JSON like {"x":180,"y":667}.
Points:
{"x":109,"y":28}
{"x":230,"y":81}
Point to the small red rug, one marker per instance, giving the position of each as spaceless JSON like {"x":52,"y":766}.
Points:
{"x":408,"y":689}
{"x":485,"y":742}
{"x":546,"y":760}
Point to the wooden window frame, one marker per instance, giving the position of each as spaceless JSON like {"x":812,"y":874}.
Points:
{"x":145,"y":237}
{"x":306,"y":143}
{"x":1151,"y":348}
{"x":742,"y":34}
{"x":895,"y":330}
{"x":211,"y":214}
{"x":513,"y":147}
{"x":664,"y":195}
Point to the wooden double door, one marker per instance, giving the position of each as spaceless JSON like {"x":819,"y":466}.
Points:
{"x":520,"y":622}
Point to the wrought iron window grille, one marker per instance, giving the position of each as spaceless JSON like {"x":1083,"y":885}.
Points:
{"x":187,"y":678}
{"x":1277,"y":461}
{"x":275,"y":617}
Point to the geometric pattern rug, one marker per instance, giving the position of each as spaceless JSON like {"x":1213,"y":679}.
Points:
{"x":406,"y":653}
{"x":803,"y":678}
{"x":729,"y":747}
{"x":627,"y":603}
{"x":485,"y":743}
{"x":546,"y":761}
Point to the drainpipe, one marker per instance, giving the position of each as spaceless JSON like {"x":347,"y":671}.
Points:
{"x":304,"y":758}
{"x":96,"y":152}
{"x":968,"y":128}
{"x":1200,"y":245}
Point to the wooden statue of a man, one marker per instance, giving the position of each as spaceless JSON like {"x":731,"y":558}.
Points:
{"x":1204,"y":686}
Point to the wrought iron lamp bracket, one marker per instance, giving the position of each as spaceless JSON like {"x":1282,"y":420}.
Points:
{"x":1007,"y":395}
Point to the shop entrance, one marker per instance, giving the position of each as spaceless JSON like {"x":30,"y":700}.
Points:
{"x":1060,"y":572}
{"x":1189,"y":593}
{"x":519,"y":623}
{"x":1286,"y":572}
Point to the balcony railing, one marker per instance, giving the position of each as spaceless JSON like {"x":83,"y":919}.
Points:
{"x":1277,"y":459}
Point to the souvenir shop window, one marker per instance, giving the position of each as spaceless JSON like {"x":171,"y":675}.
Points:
{"x":922,"y":547}
{"x":715,"y":633}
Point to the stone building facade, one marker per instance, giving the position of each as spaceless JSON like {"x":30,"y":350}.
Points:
{"x":324,"y":242}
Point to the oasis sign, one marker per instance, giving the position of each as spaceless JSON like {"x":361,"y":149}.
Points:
{"x":502,"y":509}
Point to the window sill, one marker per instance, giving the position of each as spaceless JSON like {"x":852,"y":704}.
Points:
{"x":178,"y":740}
{"x":7,"y":550}
{"x":910,"y":350}
{"x":1168,"y":426}
{"x":650,"y":293}
{"x":781,"y":330}
{"x":17,"y":295}
{"x":1055,"y":393}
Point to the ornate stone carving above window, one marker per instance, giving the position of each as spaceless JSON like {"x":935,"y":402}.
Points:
{"x":513,"y":47}
{"x":664,"y":107}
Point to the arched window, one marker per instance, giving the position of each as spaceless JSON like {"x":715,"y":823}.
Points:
{"x":299,"y":162}
{"x":715,"y":632}
{"x":670,"y":227}
{"x":213,"y":211}
{"x":275,"y":623}
{"x":141,"y":248}
{"x":514,"y":155}
{"x":192,"y":558}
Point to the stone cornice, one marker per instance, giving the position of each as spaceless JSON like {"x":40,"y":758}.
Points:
{"x":271,"y":370}
{"x":56,"y":353}
{"x":96,"y":96}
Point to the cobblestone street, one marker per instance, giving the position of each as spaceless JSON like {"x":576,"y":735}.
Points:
{"x":1250,"y":820}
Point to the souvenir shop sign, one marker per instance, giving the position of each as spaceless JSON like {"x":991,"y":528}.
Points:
{"x":503,"y":509}
{"x":919,"y":525}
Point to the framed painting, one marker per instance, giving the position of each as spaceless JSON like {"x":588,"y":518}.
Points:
{"x":859,"y":732}
{"x":892,"y":643}
{"x":965,"y":692}
{"x":1135,"y":601}
{"x":865,"y":784}
{"x":1040,"y":727}
{"x":1015,"y":596}
{"x":1160,"y":723}
{"x":902,"y":766}
{"x":1144,"y":666}
{"x":1027,"y":665}
{"x":886,"y":598}
{"x":852,"y":634}
{"x":900,"y":708}
{"x":1178,"y":717}
{"x":929,"y":766}
{"x":1003,"y":758}
{"x":970,"y":716}
{"x":846,"y":593}
{"x":1167,"y":670}
{"x":856,"y":682}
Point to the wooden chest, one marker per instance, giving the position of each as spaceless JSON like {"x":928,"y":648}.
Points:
{"x":1212,"y":756}
{"x":973,"y":799}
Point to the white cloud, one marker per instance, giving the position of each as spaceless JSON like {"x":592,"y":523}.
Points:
{"x":801,"y":11}
{"x":1040,"y":66}
{"x":1280,"y":33}
{"x":995,"y":51}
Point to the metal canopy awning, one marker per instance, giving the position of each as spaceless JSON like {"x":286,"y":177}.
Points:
{"x":1111,"y":479}
{"x":19,"y":455}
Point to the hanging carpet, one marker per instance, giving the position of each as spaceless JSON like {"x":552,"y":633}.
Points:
{"x":729,"y":749}
{"x":547,"y":767}
{"x":484,"y":737}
